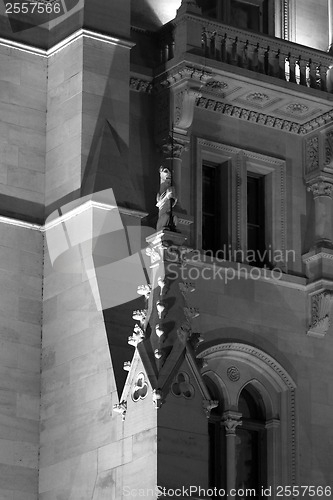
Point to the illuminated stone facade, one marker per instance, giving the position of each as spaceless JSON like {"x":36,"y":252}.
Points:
{"x":134,"y":357}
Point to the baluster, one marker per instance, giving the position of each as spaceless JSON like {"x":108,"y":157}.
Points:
{"x":255,"y":58}
{"x":282,"y":65}
{"x":224,"y":52}
{"x":244,"y":61}
{"x":172,"y":49}
{"x":292,"y":62}
{"x":323,"y":77}
{"x":234,"y":54}
{"x":272,"y":62}
{"x":229,"y":48}
{"x":166,"y":52}
{"x":261,"y":59}
{"x":313,"y":74}
{"x":212,"y":45}
{"x":204,"y":43}
{"x":251,"y":56}
{"x":218,"y":48}
{"x":302,"y":68}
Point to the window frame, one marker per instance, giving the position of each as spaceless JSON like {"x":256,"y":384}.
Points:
{"x":240,"y":162}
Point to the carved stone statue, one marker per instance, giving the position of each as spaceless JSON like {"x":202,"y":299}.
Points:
{"x":166,"y":200}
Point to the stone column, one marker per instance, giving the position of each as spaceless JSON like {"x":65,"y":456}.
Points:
{"x":322,"y":193}
{"x":230,"y":421}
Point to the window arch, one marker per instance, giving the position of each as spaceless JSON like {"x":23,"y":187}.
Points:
{"x":256,"y":419}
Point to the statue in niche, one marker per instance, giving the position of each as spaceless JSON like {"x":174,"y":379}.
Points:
{"x":166,"y":200}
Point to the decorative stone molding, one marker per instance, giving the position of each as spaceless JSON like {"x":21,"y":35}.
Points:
{"x":140,"y":389}
{"x":191,"y":312}
{"x":321,"y":306}
{"x":140,"y":85}
{"x":174,"y":148}
{"x":263,"y":119}
{"x":233,"y":373}
{"x":209,"y":405}
{"x":182,"y":387}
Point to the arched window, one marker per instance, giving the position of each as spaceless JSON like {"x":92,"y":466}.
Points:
{"x":252,"y":431}
{"x":251,"y":442}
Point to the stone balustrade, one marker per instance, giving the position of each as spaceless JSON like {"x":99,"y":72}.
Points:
{"x":256,"y":52}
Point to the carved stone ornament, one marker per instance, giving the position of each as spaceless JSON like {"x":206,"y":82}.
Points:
{"x":121,"y":408}
{"x":297,"y":108}
{"x":321,"y":306}
{"x":182,"y":387}
{"x":140,"y":85}
{"x":233,"y":373}
{"x":184,"y":104}
{"x":216,"y":86}
{"x":140,"y":315}
{"x":321,"y":188}
{"x":209,"y":405}
{"x":312,"y":155}
{"x":137,"y":337}
{"x":231,"y":421}
{"x":140,"y":389}
{"x":153,"y":254}
{"x":144,"y":290}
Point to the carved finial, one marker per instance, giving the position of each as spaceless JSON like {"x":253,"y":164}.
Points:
{"x":160,"y":306}
{"x":127,"y":366}
{"x":121,"y":408}
{"x":157,"y":398}
{"x":140,"y":315}
{"x":166,"y":200}
{"x":144,"y":290}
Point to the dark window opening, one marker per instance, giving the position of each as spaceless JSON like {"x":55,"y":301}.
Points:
{"x":256,"y":220}
{"x":210,"y":209}
{"x":244,"y":14}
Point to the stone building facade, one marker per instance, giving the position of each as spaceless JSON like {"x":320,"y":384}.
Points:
{"x":166,"y":249}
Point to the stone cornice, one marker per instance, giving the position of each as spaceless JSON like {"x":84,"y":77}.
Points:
{"x":262,"y":118}
{"x":81,"y":33}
